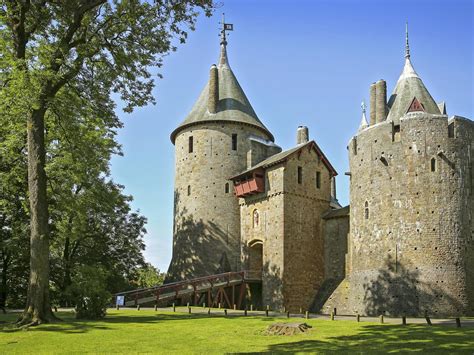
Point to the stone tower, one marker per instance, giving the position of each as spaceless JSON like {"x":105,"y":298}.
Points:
{"x":411,"y":241}
{"x":221,"y":137}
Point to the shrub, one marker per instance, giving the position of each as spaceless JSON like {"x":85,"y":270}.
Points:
{"x":89,"y":293}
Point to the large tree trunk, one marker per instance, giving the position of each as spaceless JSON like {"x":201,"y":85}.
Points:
{"x":38,"y":308}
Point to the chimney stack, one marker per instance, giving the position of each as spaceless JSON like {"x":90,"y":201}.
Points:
{"x":381,"y":100}
{"x":302,"y":135}
{"x":213,"y":90}
{"x":372,"y":103}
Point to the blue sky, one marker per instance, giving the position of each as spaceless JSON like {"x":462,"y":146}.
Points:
{"x":300,"y":62}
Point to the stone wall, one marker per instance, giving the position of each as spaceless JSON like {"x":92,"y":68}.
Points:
{"x":269,"y":230}
{"x":206,"y":235}
{"x":411,"y":230}
{"x":290,"y":229}
{"x":304,"y":243}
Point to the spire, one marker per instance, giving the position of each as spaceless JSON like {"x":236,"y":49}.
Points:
{"x":222,"y":99}
{"x":409,"y":86}
{"x":363,"y":121}
{"x":225,"y":27}
{"x":408,"y":70}
{"x":407,"y":45}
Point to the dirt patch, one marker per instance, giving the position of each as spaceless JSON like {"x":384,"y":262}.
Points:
{"x":287,"y":328}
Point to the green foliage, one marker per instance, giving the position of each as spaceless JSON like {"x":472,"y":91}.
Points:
{"x":63,"y":61}
{"x":89,"y":293}
{"x":149,"y":276}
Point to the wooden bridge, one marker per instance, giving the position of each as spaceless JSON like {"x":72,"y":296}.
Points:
{"x":227,"y":289}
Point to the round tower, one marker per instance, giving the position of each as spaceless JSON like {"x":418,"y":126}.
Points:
{"x":411,"y":243}
{"x":211,"y":145}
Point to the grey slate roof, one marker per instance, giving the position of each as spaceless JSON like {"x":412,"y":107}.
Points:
{"x":409,"y":85}
{"x":233,"y":105}
{"x":282,"y":156}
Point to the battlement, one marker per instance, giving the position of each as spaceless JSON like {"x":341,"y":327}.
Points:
{"x":432,"y":127}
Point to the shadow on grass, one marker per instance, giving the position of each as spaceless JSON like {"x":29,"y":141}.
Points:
{"x":389,"y":338}
{"x":69,"y":324}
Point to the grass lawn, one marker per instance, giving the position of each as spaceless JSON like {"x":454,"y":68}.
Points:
{"x":146,"y":331}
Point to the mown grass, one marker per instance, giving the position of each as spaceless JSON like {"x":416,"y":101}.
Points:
{"x":146,"y":331}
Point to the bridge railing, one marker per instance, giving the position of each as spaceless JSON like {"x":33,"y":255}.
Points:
{"x":180,"y":287}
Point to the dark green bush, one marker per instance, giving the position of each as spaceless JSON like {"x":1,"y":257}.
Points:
{"x":89,"y":292}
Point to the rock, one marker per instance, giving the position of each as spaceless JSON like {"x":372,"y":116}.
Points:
{"x":287,"y":328}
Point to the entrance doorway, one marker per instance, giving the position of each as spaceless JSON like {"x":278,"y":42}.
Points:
{"x":255,"y":259}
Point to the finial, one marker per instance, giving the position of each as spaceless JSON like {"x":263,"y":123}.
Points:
{"x":407,"y":45}
{"x":223,"y":36}
{"x":225,"y":27}
{"x":363,"y":122}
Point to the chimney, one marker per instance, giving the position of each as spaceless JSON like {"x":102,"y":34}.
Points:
{"x":372,"y":104}
{"x":302,"y":135}
{"x":213,"y":90}
{"x":381,"y":100}
{"x":333,"y":188}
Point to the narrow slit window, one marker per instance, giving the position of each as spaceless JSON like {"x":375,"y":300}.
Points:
{"x":433,"y":164}
{"x":396,"y":133}
{"x":191,"y":144}
{"x":366,"y":210}
{"x":318,"y":179}
{"x":189,"y":190}
{"x":227,"y":188}
{"x":300,"y":175}
{"x":234,"y":141}
{"x":451,"y":130}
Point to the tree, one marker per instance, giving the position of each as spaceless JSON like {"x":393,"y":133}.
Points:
{"x":149,"y":276}
{"x":94,"y":47}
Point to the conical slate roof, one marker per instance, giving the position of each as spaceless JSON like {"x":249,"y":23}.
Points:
{"x":233,"y":105}
{"x":408,"y":87}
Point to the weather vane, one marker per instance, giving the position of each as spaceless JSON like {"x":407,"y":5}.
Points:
{"x":362,"y":105}
{"x":225,"y":27}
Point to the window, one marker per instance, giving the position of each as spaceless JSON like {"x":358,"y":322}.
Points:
{"x":300,"y":175}
{"x":451,"y":130}
{"x":433,"y":164}
{"x":189,"y":190}
{"x":234,"y":141}
{"x":191,"y":144}
{"x":318,"y":179}
{"x":227,"y":188}
{"x":366,"y":210}
{"x":396,"y":133}
{"x":256,"y":218}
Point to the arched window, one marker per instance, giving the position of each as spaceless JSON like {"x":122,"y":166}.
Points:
{"x":227,"y":188}
{"x":256,"y":218}
{"x":433,"y":164}
{"x":366,"y":210}
{"x":189,"y":190}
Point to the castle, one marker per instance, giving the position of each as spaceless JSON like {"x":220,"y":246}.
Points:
{"x":405,"y":245}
